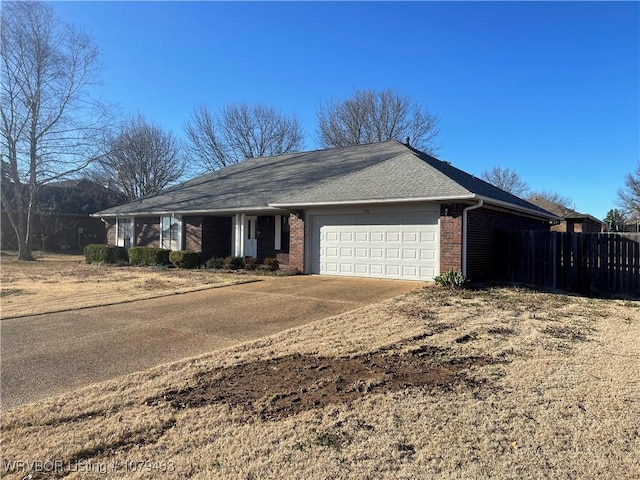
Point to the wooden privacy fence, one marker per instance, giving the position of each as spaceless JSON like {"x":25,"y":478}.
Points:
{"x":587,"y":263}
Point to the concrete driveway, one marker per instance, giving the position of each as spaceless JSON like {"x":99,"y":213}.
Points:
{"x":49,"y":354}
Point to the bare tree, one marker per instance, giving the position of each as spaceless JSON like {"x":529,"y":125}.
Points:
{"x":48,"y":120}
{"x":370,"y":116}
{"x":629,"y":196}
{"x":142,"y":159}
{"x":238,"y":132}
{"x":506,"y":179}
{"x":554,"y":197}
{"x":204,"y":140}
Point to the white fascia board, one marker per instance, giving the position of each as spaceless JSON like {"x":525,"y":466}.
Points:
{"x":371,"y":201}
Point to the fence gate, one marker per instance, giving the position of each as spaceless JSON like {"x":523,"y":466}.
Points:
{"x":587,"y":263}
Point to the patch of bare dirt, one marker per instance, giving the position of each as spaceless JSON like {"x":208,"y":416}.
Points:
{"x":281,"y":387}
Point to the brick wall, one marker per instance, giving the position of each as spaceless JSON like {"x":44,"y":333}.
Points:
{"x":147,"y":231}
{"x":451,"y":237}
{"x":192,"y":233}
{"x":110,"y":229}
{"x":216,"y":237}
{"x":482,"y":223}
{"x":296,"y":240}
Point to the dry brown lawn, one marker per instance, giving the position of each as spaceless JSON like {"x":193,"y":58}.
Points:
{"x":501,"y":383}
{"x":57,"y":282}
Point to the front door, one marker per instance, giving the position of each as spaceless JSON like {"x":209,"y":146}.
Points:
{"x":250,"y":241}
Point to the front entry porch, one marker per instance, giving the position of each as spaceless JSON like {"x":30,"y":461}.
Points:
{"x":244,"y":235}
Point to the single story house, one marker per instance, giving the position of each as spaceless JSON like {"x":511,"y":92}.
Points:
{"x":381,"y":210}
{"x":570,"y":220}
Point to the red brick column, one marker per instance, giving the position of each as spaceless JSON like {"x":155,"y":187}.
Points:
{"x":451,"y":237}
{"x":296,"y":240}
{"x":110,"y":227}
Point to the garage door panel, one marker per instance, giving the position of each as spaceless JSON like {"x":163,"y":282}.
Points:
{"x":361,"y":268}
{"x":409,"y":271}
{"x":392,"y":270}
{"x":427,"y":272}
{"x":331,"y":252}
{"x":427,"y":254}
{"x":376,"y":269}
{"x":403,"y":246}
{"x":392,"y":237}
{"x":346,"y":267}
{"x":427,"y":237}
{"x":409,"y":254}
{"x":330,"y":267}
{"x":392,"y":253}
{"x":410,"y":237}
{"x":377,"y":236}
{"x":346,"y":236}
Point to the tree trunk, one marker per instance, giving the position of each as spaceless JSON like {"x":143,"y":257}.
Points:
{"x":24,"y":249}
{"x":19,"y":222}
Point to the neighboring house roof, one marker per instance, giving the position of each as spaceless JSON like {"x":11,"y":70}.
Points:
{"x":563,"y":212}
{"x":78,"y":196}
{"x":377,"y":172}
{"x":73,"y":197}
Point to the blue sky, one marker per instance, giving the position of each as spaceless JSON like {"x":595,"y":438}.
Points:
{"x":549,"y":89}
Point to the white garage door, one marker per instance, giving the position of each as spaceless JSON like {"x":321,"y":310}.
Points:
{"x":398,"y":245}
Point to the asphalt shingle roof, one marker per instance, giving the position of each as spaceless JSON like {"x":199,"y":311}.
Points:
{"x":560,"y":211}
{"x":378,"y":171}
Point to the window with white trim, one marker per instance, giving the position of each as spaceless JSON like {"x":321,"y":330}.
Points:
{"x":124,"y":232}
{"x":170,"y":233}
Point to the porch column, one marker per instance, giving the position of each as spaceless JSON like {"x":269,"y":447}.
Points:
{"x":236,"y":235}
{"x":243,"y":233}
{"x":277,"y":241}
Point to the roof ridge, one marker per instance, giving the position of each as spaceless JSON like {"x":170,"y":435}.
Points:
{"x":287,"y":155}
{"x":316,"y":151}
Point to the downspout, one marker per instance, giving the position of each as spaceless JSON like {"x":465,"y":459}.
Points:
{"x":464,"y":233}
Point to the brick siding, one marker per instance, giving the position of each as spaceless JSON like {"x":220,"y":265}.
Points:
{"x":110,"y":229}
{"x":216,"y":237}
{"x":192,"y":233}
{"x":147,"y":231}
{"x":296,"y":240}
{"x":482,"y":223}
{"x":451,"y":237}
